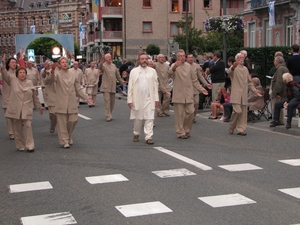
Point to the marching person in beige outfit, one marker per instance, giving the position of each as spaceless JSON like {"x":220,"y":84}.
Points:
{"x":32,"y":73}
{"x":240,"y":82}
{"x":11,"y":65}
{"x":50,"y":95}
{"x":184,"y":79}
{"x":198,"y":71}
{"x":77,"y":72}
{"x":20,"y":108}
{"x":110,"y":74}
{"x":164,"y":89}
{"x":66,"y":109}
{"x":91,"y":81}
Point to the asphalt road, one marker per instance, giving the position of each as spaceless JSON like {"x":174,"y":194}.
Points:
{"x":185,"y":181}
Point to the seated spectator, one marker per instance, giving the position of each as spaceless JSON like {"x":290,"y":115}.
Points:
{"x":290,"y":103}
{"x":226,"y":113}
{"x":216,"y":105}
{"x":122,"y":88}
{"x":255,"y":102}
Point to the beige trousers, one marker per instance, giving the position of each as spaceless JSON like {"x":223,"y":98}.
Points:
{"x":65,"y":126}
{"x":196,"y":104}
{"x":9,"y":123}
{"x":163,"y":107}
{"x":23,"y":133}
{"x":238,"y":119}
{"x":109,"y":103}
{"x":183,"y":115}
{"x":148,"y":128}
{"x":52,"y":117}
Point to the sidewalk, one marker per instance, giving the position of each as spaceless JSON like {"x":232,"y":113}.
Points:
{"x":262,"y":124}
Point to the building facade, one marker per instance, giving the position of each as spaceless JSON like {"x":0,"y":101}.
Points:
{"x":259,"y":33}
{"x":17,"y":16}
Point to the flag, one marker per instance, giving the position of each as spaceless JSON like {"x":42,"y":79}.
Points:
{"x":32,"y":29}
{"x":272,"y":14}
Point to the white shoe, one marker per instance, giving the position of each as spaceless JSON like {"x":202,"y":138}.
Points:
{"x":66,"y":146}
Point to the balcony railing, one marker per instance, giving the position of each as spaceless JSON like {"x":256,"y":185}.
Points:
{"x":112,"y":35}
{"x":265,"y":3}
{"x":232,"y":11}
{"x":109,"y":35}
{"x":108,"y":11}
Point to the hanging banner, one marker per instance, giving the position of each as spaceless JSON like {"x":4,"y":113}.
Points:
{"x":55,"y":22}
{"x":272,"y":14}
{"x":32,"y":29}
{"x":81,"y":36}
{"x":95,"y":6}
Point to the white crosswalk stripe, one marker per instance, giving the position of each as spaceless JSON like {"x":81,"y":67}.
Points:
{"x":240,"y":167}
{"x":62,"y":218}
{"x":36,"y":186}
{"x":106,"y":179}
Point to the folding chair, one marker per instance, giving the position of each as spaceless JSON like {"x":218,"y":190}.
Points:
{"x":207,"y":102}
{"x":265,"y":112}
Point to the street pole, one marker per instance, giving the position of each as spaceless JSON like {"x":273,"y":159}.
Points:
{"x":186,"y":27}
{"x":224,"y":35}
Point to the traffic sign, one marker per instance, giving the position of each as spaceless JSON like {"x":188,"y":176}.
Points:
{"x":31,"y":56}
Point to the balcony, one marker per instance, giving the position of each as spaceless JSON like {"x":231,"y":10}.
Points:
{"x":264,"y":3}
{"x":232,"y":11}
{"x":116,"y":36}
{"x":89,"y":18}
{"x":108,"y":12}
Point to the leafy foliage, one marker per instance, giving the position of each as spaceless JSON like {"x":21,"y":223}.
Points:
{"x":43,"y":46}
{"x":152,"y":49}
{"x":226,"y":24}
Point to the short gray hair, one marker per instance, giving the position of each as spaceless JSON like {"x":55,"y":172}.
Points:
{"x":279,"y":59}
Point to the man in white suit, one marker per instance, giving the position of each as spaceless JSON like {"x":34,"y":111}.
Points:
{"x":143,"y":98}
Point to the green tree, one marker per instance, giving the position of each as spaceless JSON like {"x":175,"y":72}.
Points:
{"x":152,"y":49}
{"x":43,"y":46}
{"x":194,"y":36}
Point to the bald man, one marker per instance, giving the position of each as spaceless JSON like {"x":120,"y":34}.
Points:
{"x":110,"y":74}
{"x":91,"y":80}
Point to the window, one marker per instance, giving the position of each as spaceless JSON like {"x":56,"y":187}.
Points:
{"x":4,"y":40}
{"x":82,"y":17}
{"x":25,"y":22}
{"x":289,"y":31}
{"x":207,"y":4}
{"x":174,"y":29}
{"x":3,"y":23}
{"x":147,"y":27}
{"x":13,"y":22}
{"x":0,"y":40}
{"x":8,"y":23}
{"x":113,"y":25}
{"x":174,"y":5}
{"x":184,"y":2}
{"x":48,"y":20}
{"x":32,"y":21}
{"x":41,"y":21}
{"x":251,"y":33}
{"x":268,"y":34}
{"x":147,"y":4}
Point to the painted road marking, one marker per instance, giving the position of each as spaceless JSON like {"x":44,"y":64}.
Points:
{"x":240,"y":167}
{"x":292,"y":162}
{"x":36,"y":186}
{"x":106,"y":179}
{"x":142,"y":209}
{"x":62,"y":218}
{"x":84,"y":117}
{"x":173,"y":173}
{"x":295,"y":192}
{"x":184,"y":159}
{"x":226,"y":200}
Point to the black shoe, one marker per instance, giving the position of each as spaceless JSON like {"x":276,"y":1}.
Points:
{"x":274,"y":124}
{"x":226,"y":120}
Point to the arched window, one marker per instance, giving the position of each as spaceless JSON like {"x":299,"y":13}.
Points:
{"x":25,"y":22}
{"x":41,"y":21}
{"x":48,"y":20}
{"x":3,"y":23}
{"x":13,"y":22}
{"x":8,"y":23}
{"x":33,"y":20}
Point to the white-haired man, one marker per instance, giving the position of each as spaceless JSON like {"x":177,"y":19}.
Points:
{"x":240,"y":82}
{"x":110,"y":74}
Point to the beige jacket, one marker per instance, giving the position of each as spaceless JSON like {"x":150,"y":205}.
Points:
{"x":50,"y":88}
{"x":67,"y":87}
{"x":6,"y":89}
{"x":92,"y":78}
{"x":33,"y":75}
{"x":110,"y":75}
{"x":22,"y":98}
{"x":240,"y":82}
{"x":184,"y":80}
{"x":197,"y":68}
{"x":163,"y":76}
